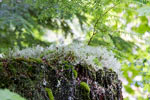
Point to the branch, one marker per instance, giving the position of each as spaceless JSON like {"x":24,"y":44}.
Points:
{"x":94,"y":31}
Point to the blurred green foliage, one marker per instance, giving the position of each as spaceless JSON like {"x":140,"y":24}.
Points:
{"x":18,"y":27}
{"x":23,"y":24}
{"x":7,"y":95}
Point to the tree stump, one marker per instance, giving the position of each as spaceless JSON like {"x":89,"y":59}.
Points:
{"x":40,"y":79}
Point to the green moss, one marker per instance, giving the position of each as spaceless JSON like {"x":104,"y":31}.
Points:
{"x":46,"y":53}
{"x":1,"y":65}
{"x":84,"y":91}
{"x":19,"y":74}
{"x":50,"y":93}
{"x":29,"y":60}
{"x":37,"y":60}
{"x":68,"y":66}
{"x":12,"y":68}
{"x":75,"y":73}
{"x":96,"y":60}
{"x":85,"y":86}
{"x":20,"y":59}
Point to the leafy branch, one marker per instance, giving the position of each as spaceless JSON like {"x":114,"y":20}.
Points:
{"x":94,"y":30}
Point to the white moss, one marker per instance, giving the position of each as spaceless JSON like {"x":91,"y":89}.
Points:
{"x":82,"y":54}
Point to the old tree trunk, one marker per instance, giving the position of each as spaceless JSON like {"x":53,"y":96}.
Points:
{"x":37,"y":79}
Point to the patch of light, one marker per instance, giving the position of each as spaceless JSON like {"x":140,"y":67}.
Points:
{"x":138,"y":78}
{"x":59,"y":38}
{"x":129,"y":26}
{"x":133,"y":5}
{"x":52,"y":36}
{"x":126,"y":37}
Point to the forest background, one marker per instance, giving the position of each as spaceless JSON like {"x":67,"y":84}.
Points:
{"x":122,"y":26}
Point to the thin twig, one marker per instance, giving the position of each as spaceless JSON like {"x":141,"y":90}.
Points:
{"x":94,"y":30}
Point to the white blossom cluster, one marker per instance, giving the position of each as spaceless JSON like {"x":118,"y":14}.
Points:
{"x":83,"y":54}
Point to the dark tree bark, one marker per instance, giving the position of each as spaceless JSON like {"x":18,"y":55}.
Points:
{"x":37,"y":79}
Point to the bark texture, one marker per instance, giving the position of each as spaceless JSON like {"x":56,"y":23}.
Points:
{"x":39,"y":79}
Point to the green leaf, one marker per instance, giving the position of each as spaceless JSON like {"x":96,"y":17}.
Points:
{"x":7,"y":95}
{"x":129,"y":89}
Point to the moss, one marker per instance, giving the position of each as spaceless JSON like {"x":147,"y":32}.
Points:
{"x":85,"y":86}
{"x":37,"y":60}
{"x":20,"y":59}
{"x":69,"y":70}
{"x":50,"y":93}
{"x":29,"y":60}
{"x":68,"y":66}
{"x":1,"y":65}
{"x":84,"y":91}
{"x":75,"y":73}
{"x":25,"y":76}
{"x":46,"y":53}
{"x":86,"y":71}
{"x":96,"y":60}
{"x":12,"y":68}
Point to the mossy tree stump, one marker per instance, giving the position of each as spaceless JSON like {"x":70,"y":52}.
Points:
{"x":37,"y":79}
